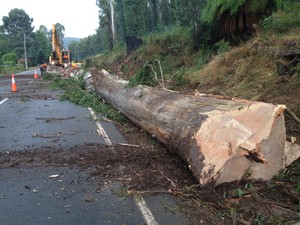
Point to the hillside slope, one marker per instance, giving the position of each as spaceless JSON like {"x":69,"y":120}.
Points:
{"x":267,"y":69}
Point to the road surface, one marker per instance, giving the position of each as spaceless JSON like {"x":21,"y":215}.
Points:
{"x":37,"y":131}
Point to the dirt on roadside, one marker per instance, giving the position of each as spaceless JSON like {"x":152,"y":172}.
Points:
{"x":146,"y":167}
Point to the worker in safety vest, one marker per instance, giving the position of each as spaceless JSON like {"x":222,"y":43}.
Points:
{"x":43,"y":68}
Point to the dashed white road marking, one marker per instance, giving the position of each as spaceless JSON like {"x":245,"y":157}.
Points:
{"x":140,"y":202}
{"x":146,"y":213}
{"x":101,"y":131}
{"x":4,"y":100}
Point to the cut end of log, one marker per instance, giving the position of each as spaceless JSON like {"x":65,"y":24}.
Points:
{"x":248,"y":142}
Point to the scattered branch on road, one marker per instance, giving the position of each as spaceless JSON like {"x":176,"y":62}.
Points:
{"x":43,"y":97}
{"x":110,"y":121}
{"x":173,"y":184}
{"x":47,"y":120}
{"x":58,"y":134}
{"x":129,"y":145}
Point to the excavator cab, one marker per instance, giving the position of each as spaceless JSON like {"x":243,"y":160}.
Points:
{"x":65,"y":58}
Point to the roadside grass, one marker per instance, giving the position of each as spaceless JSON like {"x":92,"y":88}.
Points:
{"x":75,"y":92}
{"x":105,"y":59}
{"x":8,"y":70}
{"x":163,"y":59}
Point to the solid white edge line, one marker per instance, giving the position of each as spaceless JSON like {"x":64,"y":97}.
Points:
{"x":146,"y":213}
{"x":4,"y":100}
{"x":101,"y":130}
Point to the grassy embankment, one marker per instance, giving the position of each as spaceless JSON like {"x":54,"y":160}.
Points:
{"x":261,"y":69}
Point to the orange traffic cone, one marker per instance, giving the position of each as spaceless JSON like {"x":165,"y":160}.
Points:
{"x":35,"y":75}
{"x":13,"y":83}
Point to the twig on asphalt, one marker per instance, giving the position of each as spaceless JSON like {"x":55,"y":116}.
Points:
{"x":129,"y":145}
{"x":42,"y":97}
{"x":54,"y":119}
{"x":58,"y":134}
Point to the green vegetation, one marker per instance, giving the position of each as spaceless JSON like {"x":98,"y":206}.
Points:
{"x":260,"y":219}
{"x":16,"y":30}
{"x":10,"y":65}
{"x":283,"y":21}
{"x":74,"y":91}
{"x":169,"y":58}
{"x":9,"y":59}
{"x":143,"y":18}
{"x":9,"y":69}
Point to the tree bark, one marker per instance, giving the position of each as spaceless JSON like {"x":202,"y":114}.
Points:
{"x":221,"y":140}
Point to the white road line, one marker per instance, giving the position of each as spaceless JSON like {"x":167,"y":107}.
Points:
{"x":4,"y":100}
{"x":140,"y":202}
{"x":101,"y":131}
{"x":146,"y":213}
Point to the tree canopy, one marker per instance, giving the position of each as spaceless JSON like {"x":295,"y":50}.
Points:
{"x":16,"y":33}
{"x":234,"y":17}
{"x":17,"y":22}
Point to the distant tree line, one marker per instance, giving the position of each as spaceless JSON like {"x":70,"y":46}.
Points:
{"x":207,"y":21}
{"x":18,"y":40}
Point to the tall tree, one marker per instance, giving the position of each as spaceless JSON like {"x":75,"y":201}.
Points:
{"x":45,"y":31}
{"x":4,"y":43}
{"x":74,"y":48}
{"x":18,"y":26}
{"x":187,"y":13}
{"x":85,"y":47}
{"x":153,"y":12}
{"x":120,"y":20}
{"x":17,"y":22}
{"x":136,"y":22}
{"x":165,"y":12}
{"x":42,"y":46}
{"x":237,"y":17}
{"x":60,"y":31}
{"x":105,"y":17}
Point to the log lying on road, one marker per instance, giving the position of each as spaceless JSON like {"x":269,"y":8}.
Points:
{"x":221,"y":140}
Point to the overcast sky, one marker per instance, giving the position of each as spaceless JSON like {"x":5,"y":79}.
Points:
{"x":80,"y":18}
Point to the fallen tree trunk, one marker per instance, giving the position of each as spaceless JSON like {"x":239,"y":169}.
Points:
{"x":221,"y":140}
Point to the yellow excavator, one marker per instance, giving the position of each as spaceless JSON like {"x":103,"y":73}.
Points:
{"x":58,"y":57}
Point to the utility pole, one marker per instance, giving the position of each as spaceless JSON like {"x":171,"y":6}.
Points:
{"x":25,"y":52}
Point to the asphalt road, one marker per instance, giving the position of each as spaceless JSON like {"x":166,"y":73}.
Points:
{"x":34,"y":119}
{"x":30,"y":72}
